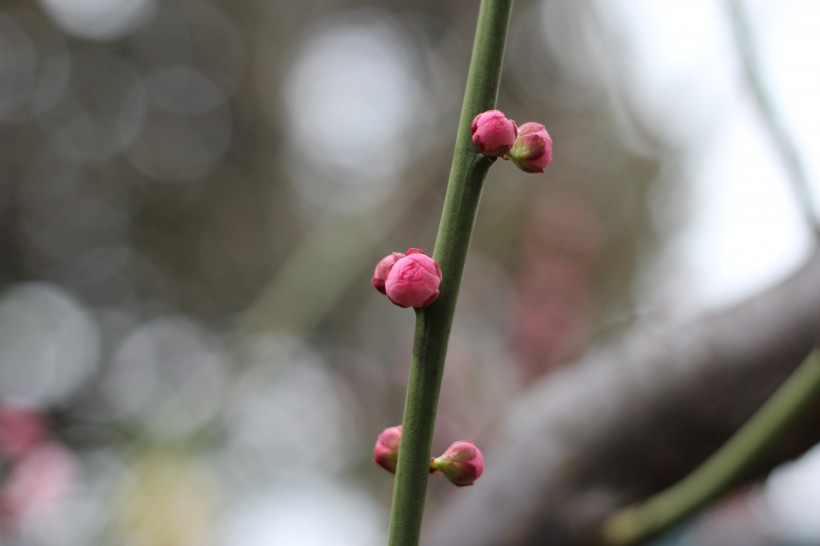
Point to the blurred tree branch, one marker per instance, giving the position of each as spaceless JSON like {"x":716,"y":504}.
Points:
{"x":633,"y":417}
{"x":727,"y":467}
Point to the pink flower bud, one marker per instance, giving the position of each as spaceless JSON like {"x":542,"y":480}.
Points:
{"x":532,"y":150}
{"x":386,"y":452}
{"x":462,"y":464}
{"x":384,"y":265}
{"x":493,"y":133}
{"x":413,"y":280}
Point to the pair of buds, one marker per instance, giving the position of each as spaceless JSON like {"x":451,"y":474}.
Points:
{"x":528,"y":146}
{"x":408,"y":280}
{"x":462,"y":464}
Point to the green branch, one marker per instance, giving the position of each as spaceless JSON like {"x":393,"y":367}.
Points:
{"x":726,"y":468}
{"x":467,"y":174}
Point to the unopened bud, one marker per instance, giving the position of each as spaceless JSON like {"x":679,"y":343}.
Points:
{"x":462,"y":464}
{"x":493,"y":133}
{"x":532,"y":150}
{"x":384,"y":265}
{"x":386,"y":452}
{"x":413,"y":280}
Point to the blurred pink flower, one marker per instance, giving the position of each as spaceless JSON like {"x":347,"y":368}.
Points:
{"x":561,"y":243}
{"x":413,"y":281}
{"x":384,"y":265}
{"x":462,"y":464}
{"x":532,"y":151}
{"x":493,"y":133}
{"x":35,"y":483}
{"x":22,"y":426}
{"x":386,"y":451}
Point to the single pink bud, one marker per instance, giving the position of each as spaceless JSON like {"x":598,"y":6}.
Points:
{"x":22,"y":426}
{"x":413,"y":280}
{"x":386,"y":452}
{"x":462,"y":464}
{"x":532,"y":150}
{"x":493,"y":133}
{"x":384,"y":265}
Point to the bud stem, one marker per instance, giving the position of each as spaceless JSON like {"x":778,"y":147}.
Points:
{"x":467,"y":174}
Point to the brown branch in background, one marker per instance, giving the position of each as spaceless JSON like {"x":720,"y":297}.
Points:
{"x":633,"y":417}
{"x":729,"y":466}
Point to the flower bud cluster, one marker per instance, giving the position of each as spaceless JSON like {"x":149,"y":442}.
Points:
{"x":529,"y":146}
{"x":409,"y":280}
{"x":462,"y":463}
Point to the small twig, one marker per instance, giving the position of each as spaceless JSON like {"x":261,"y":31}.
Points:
{"x":726,"y":467}
{"x":779,"y":134}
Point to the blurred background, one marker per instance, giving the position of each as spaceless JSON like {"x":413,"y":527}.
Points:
{"x":193,"y":195}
